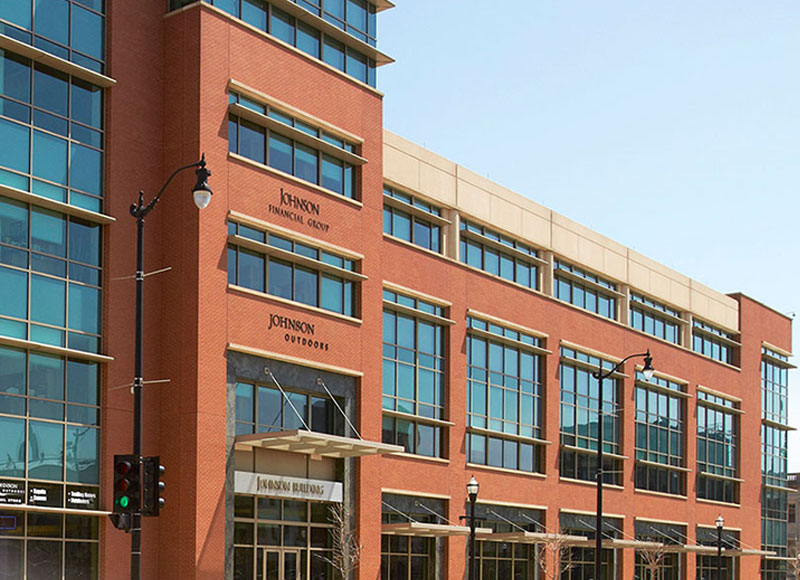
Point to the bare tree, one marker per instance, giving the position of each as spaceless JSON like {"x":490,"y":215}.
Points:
{"x":345,"y":549}
{"x":652,"y":557}
{"x":794,"y":567}
{"x":553,"y":556}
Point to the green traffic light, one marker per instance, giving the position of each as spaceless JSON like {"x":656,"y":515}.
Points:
{"x":124,"y":501}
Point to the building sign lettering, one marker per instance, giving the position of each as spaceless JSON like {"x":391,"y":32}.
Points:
{"x":12,"y":492}
{"x":302,"y":332}
{"x":299,"y":210}
{"x":283,"y":486}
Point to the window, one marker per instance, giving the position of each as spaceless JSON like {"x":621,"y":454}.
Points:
{"x":774,"y":386}
{"x":49,"y":545}
{"x":582,"y":559}
{"x":713,"y":342}
{"x":49,"y":418}
{"x":357,"y":19}
{"x":580,"y":404}
{"x":660,"y":435}
{"x":498,"y":255}
{"x":504,"y":397}
{"x":408,"y":219}
{"x":584,"y":290}
{"x":313,"y":155}
{"x":717,"y":448}
{"x":655,"y":318}
{"x":279,"y":266}
{"x":774,"y":460}
{"x":774,"y":520}
{"x":410,"y":557}
{"x":707,"y":563}
{"x":510,"y":560}
{"x":413,"y":374}
{"x":49,"y":277}
{"x":658,"y":563}
{"x":70,"y":29}
{"x":270,"y":533}
{"x":263,"y":409}
{"x":51,"y":127}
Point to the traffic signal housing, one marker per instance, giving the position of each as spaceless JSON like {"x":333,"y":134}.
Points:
{"x":152,"y":486}
{"x":127,"y":484}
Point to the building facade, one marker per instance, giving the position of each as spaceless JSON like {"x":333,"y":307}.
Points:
{"x":352,"y":329}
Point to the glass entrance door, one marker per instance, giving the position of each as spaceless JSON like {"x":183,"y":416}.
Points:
{"x":281,"y":565}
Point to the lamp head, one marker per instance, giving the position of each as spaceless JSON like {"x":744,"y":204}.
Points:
{"x":720,"y":522}
{"x":472,"y":488}
{"x":648,"y":369}
{"x":201,"y":191}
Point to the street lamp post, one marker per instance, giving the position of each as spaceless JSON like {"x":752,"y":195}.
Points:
{"x":472,"y":493}
{"x":202,"y":196}
{"x":600,"y":375}
{"x":720,"y":523}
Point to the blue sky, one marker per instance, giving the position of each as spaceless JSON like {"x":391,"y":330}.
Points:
{"x":671,"y":127}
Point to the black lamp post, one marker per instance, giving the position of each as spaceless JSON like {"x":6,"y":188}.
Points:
{"x":202,"y":196}
{"x":600,"y":375}
{"x":720,"y":523}
{"x":472,"y":493}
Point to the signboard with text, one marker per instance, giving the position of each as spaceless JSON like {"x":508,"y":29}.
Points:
{"x":288,"y":487}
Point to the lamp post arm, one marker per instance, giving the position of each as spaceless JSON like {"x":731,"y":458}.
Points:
{"x":600,"y":375}
{"x":139,"y":210}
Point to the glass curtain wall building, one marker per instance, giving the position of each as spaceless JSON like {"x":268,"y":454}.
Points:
{"x":51,"y":287}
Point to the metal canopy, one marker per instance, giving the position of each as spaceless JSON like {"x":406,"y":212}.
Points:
{"x":524,"y":537}
{"x":313,"y":443}
{"x":695,"y":549}
{"x":429,"y":530}
{"x":617,"y":543}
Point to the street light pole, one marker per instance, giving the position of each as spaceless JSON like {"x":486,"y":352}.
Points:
{"x":720,"y":523}
{"x":202,"y":196}
{"x":600,"y":375}
{"x":472,"y":492}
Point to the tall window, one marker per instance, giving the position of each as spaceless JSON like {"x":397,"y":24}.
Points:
{"x":302,"y":30}
{"x":774,"y":461}
{"x":413,"y":374}
{"x":717,"y":448}
{"x":271,"y":535}
{"x":272,"y":137}
{"x":707,"y":563}
{"x":657,"y":563}
{"x":262,"y":409}
{"x":49,"y":457}
{"x":507,"y":560}
{"x":655,"y":318}
{"x":504,"y":397}
{"x":580,"y":406}
{"x":286,"y":268}
{"x":51,"y":127}
{"x":582,"y":558}
{"x":713,"y":342}
{"x":411,"y":219}
{"x":410,"y":557}
{"x":584,"y":289}
{"x":49,"y":277}
{"x":499,"y":255}
{"x":660,"y":435}
{"x":70,"y":29}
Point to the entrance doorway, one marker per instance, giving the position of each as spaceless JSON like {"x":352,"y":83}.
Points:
{"x":281,"y":564}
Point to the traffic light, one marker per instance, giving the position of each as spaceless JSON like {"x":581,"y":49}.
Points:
{"x":127,"y":484}
{"x":152,"y":486}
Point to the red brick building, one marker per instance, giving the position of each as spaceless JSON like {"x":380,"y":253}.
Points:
{"x":355,"y":321}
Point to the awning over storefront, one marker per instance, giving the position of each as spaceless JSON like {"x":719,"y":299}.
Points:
{"x":746,"y":552}
{"x":524,"y":537}
{"x":619,"y":544}
{"x":313,"y":443}
{"x":690,"y":548}
{"x":429,"y":530}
